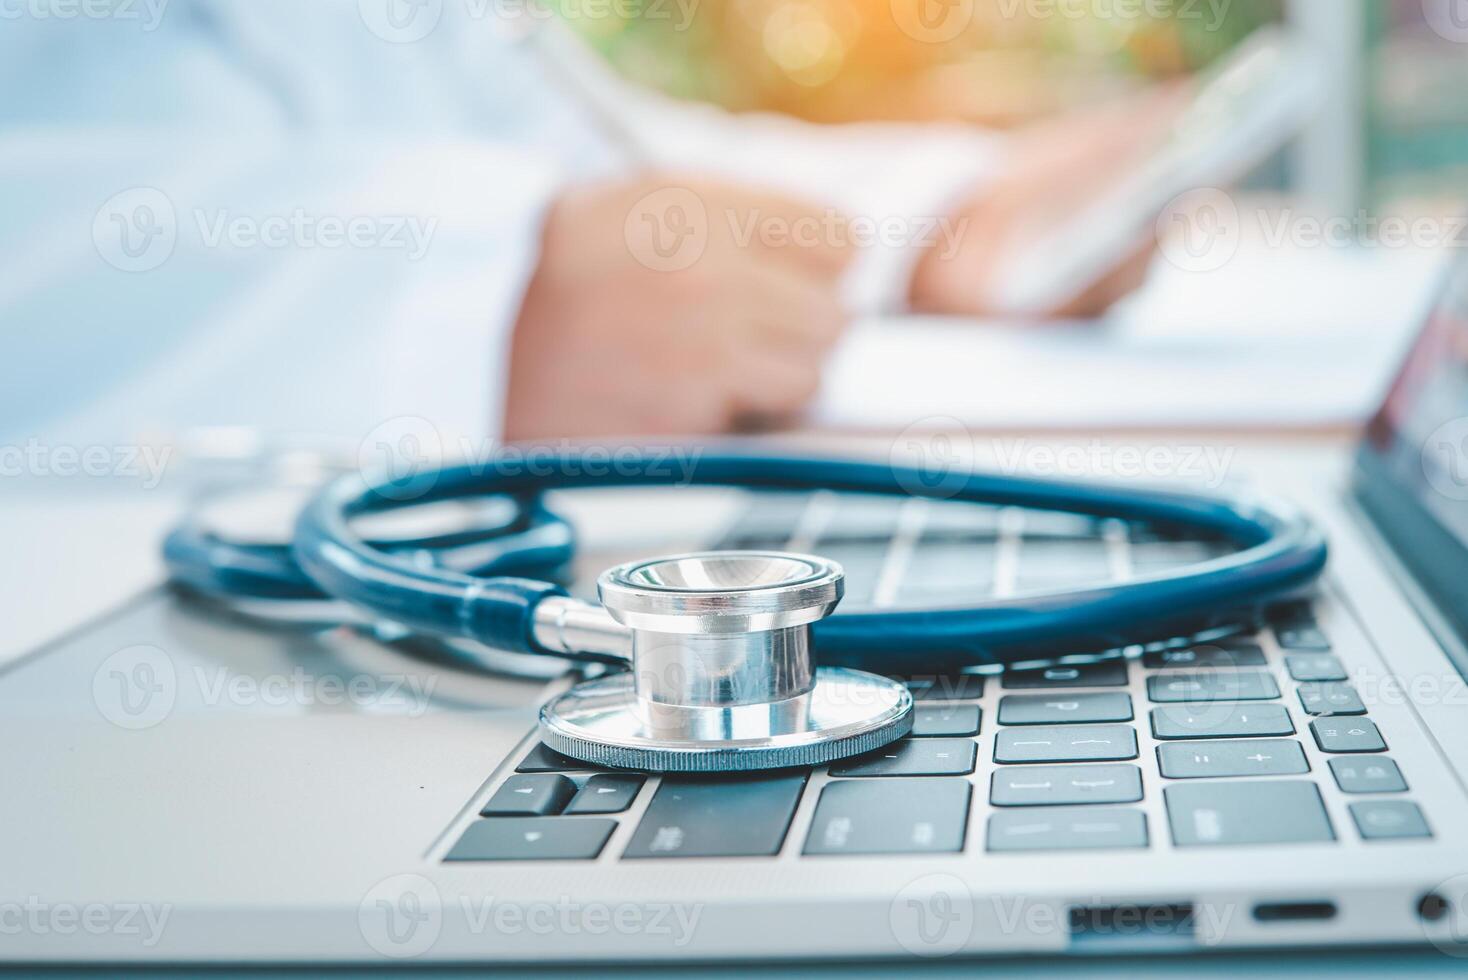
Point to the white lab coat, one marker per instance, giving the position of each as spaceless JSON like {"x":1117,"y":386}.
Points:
{"x":303,"y":217}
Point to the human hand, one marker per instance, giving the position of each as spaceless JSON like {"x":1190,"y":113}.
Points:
{"x":1054,"y":170}
{"x":662,"y":306}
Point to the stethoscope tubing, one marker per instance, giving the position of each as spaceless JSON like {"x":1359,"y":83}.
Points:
{"x":1281,"y":552}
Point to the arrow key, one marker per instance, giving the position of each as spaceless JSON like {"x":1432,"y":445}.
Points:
{"x":530,"y":795}
{"x":607,"y":793}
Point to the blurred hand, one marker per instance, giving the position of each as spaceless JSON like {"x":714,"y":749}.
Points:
{"x":668,"y":306}
{"x":1055,"y":169}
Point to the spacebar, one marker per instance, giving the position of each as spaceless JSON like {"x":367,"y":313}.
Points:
{"x":724,"y":817}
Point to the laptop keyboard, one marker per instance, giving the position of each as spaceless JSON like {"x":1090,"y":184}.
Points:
{"x":1040,"y":758}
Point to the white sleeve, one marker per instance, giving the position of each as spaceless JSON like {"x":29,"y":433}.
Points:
{"x":179,"y":252}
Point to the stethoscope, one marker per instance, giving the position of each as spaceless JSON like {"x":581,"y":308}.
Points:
{"x":723,"y":647}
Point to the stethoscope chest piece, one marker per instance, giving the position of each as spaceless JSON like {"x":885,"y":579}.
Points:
{"x":722,"y":674}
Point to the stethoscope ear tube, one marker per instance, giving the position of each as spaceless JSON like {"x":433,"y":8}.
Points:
{"x":1280,"y":553}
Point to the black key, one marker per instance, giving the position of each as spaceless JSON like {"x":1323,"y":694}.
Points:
{"x":881,"y":816}
{"x":1389,"y":820}
{"x":1347,"y":735}
{"x":945,"y":719}
{"x":1330,"y":699}
{"x":1267,"y":812}
{"x":1067,"y":829}
{"x":913,"y":757}
{"x":610,"y":792}
{"x":1315,"y":667}
{"x":1072,"y":743}
{"x":949,"y":687}
{"x":1107,"y":673}
{"x":717,"y":817}
{"x":1245,"y":757}
{"x":1065,"y":785}
{"x":530,"y":795}
{"x":1302,"y":638}
{"x":1212,"y":685}
{"x":1221,"y":719}
{"x":1379,"y":775}
{"x":1225,"y":654}
{"x":532,"y":839}
{"x":1292,"y":612}
{"x":1063,"y":709}
{"x":543,"y":758}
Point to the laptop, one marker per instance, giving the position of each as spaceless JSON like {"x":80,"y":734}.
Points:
{"x":190,"y":782}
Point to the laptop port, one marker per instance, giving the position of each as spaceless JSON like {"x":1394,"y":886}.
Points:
{"x":1294,"y":911}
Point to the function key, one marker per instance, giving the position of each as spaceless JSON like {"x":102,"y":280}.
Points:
{"x":947,"y":687}
{"x":1212,"y":685}
{"x":542,"y":758}
{"x":1389,"y":820}
{"x":1315,"y":667}
{"x":1063,"y":709}
{"x":1264,"y":812}
{"x":1347,"y":735}
{"x":532,"y":839}
{"x":607,"y":793}
{"x":1106,"y":673}
{"x":1065,"y":785}
{"x":945,"y":719}
{"x":717,"y":817}
{"x":530,"y":795}
{"x":1220,"y":719}
{"x":1071,"y":743}
{"x":1245,"y":757}
{"x":1067,"y":829}
{"x":1301,"y":638}
{"x":914,"y":757}
{"x":1330,"y":699}
{"x":1244,"y":653}
{"x":1375,"y":775}
{"x":881,"y":816}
